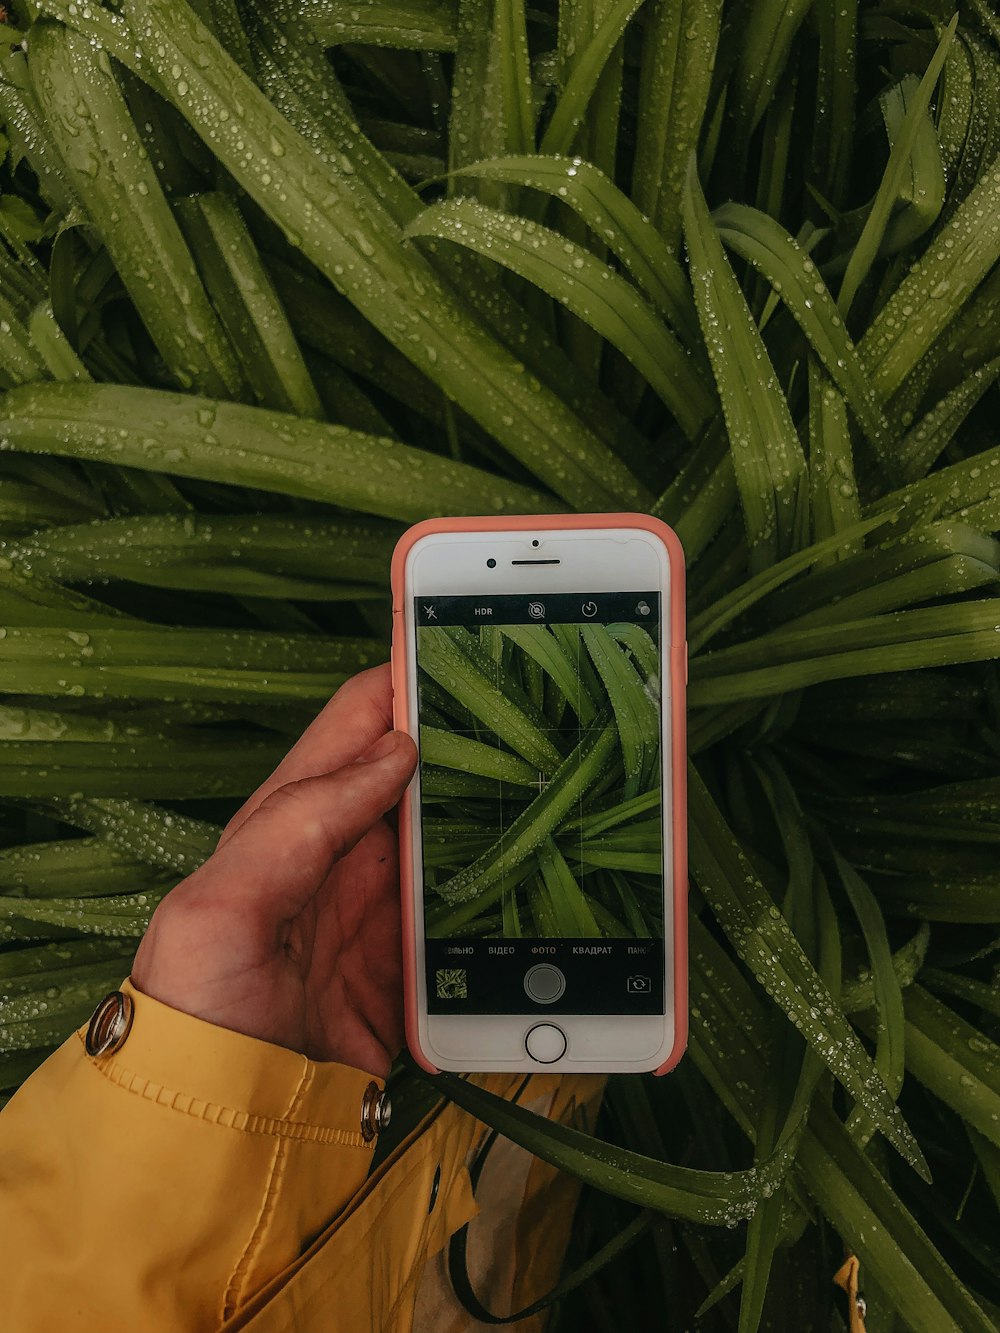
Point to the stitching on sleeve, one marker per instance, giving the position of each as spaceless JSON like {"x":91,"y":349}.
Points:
{"x":234,"y":1288}
{"x":243,"y":1121}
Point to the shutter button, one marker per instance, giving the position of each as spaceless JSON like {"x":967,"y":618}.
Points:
{"x":376,"y":1112}
{"x":110,"y":1024}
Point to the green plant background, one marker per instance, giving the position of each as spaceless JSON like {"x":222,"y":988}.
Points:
{"x":278,"y":278}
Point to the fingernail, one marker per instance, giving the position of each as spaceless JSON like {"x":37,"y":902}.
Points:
{"x":382,"y":748}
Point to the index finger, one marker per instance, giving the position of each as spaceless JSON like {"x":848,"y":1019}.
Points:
{"x":357,"y":715}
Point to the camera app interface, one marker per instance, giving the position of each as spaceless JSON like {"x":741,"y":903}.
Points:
{"x":540,"y":770}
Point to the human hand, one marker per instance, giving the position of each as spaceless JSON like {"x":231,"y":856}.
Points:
{"x":290,"y":931}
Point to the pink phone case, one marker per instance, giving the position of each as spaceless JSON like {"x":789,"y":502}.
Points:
{"x":678,"y":682}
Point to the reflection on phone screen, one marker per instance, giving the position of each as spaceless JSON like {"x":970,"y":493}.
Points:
{"x":540,"y":804}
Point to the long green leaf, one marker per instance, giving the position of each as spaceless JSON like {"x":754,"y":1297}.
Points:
{"x":933,"y":292}
{"x":864,"y":252}
{"x":260,"y":553}
{"x":795,"y":277}
{"x":587,"y":68}
{"x":679,"y":47}
{"x":762,"y":938}
{"x":612,"y":217}
{"x":242,"y":292}
{"x":328,"y":213}
{"x":767,"y":456}
{"x":228,"y":442}
{"x":104,"y":158}
{"x":900,"y":640}
{"x":578,"y":772}
{"x":587,"y":287}
{"x":450,"y":750}
{"x":709,"y":1197}
{"x":509,"y":713}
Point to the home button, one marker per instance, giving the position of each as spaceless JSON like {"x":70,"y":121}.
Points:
{"x":545,"y":1043}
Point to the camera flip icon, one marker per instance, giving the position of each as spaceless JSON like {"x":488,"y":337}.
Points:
{"x":639,"y":985}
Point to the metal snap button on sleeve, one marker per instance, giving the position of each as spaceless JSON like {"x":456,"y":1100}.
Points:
{"x":110,"y":1023}
{"x":376,"y":1112}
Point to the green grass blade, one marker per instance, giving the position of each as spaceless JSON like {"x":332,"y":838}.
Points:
{"x":711,"y":1198}
{"x":551,"y":656}
{"x":450,"y":750}
{"x":173,"y":663}
{"x":768,"y":30}
{"x":589,"y":826}
{"x":922,"y":445}
{"x":24,"y":970}
{"x":833,"y":131}
{"x":868,"y":583}
{"x":515,"y":75}
{"x":114,"y":914}
{"x":21,"y":360}
{"x":27,"y":128}
{"x":955,"y":1060}
{"x":507,"y":712}
{"x":340,"y":226}
{"x":613,"y":218}
{"x":725,"y":610}
{"x":235,"y":444}
{"x":679,"y":47}
{"x":978,"y":993}
{"x":587,"y":287}
{"x":635,"y":712}
{"x":401,"y":24}
{"x":907,"y":962}
{"x":109,"y":169}
{"x":890,"y":1059}
{"x":833,"y":488}
{"x":52,"y":345}
{"x":62,"y":868}
{"x":729,"y":1044}
{"x":639,"y":643}
{"x":767,"y":456}
{"x":795,"y":277}
{"x":158,"y":769}
{"x":867,"y":1213}
{"x":576,"y":775}
{"x":146,"y":833}
{"x":243,"y":294}
{"x":935,"y":289}
{"x":868,"y":244}
{"x":760,"y":936}
{"x":227,"y":552}
{"x":573,"y":915}
{"x":900,"y":640}
{"x":568,"y":113}
{"x":923,"y":188}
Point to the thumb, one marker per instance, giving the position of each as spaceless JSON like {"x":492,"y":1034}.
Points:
{"x":284,"y":851}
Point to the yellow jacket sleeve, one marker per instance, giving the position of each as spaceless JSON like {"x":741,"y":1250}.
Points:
{"x":157,"y":1189}
{"x":200,"y":1181}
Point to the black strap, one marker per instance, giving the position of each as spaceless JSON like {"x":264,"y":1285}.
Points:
{"x":458,"y":1265}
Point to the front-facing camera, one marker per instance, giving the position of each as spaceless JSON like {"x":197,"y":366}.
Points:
{"x":491,"y":563}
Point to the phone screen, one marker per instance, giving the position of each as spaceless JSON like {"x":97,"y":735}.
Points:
{"x":540,"y":804}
